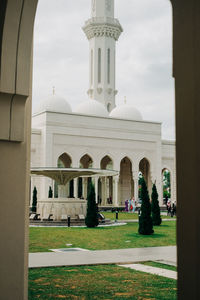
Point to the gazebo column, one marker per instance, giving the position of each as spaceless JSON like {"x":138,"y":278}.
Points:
{"x":62,"y":191}
{"x":96,"y":179}
{"x":115,"y":190}
{"x":75,"y":187}
{"x":107,"y":189}
{"x":104,"y":191}
{"x":85,"y":187}
{"x":67,"y":189}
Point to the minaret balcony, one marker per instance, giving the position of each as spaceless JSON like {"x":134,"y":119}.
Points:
{"x":97,"y":27}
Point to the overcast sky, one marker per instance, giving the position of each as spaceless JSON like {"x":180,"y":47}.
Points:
{"x":143,"y":56}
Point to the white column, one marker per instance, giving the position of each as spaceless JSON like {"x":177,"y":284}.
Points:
{"x":85,"y":187}
{"x":96,"y":188}
{"x":136,"y":188}
{"x":103,"y":191}
{"x":62,"y":191}
{"x":67,"y":189}
{"x":75,"y":187}
{"x":106,"y":189}
{"x":115,"y":191}
{"x":135,"y":178}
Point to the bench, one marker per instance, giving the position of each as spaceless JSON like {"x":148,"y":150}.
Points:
{"x":48,"y":217}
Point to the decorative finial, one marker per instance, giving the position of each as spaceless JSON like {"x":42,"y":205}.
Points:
{"x":53,"y":90}
{"x":125,"y":101}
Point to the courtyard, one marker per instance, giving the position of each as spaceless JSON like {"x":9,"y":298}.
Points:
{"x":96,"y":272}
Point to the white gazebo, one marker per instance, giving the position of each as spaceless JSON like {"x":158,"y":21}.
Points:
{"x":62,"y":205}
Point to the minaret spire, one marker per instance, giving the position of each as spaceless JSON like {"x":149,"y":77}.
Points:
{"x":102,"y":31}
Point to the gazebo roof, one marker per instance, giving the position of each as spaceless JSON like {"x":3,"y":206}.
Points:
{"x":63,"y":175}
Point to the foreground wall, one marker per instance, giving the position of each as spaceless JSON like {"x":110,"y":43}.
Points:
{"x":186,"y":19}
{"x":16,"y":26}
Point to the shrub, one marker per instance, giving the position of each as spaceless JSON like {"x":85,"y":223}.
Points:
{"x":91,"y":219}
{"x":145,"y":220}
{"x":34,"y":203}
{"x":50,"y":193}
{"x":155,"y":208}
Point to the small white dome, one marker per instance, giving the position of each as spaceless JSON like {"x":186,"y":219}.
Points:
{"x":54,"y":104}
{"x":92,"y":108}
{"x":126,"y":112}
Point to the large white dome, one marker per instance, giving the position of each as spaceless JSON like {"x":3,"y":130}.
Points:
{"x":54,"y":104}
{"x":126,"y":112}
{"x":92,"y":108}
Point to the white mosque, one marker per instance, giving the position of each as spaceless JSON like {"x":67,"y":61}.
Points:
{"x":98,"y":134}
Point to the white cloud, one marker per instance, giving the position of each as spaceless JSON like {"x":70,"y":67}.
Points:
{"x":143,"y":62}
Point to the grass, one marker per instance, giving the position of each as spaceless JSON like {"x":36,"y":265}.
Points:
{"x":159,"y":265}
{"x":127,"y":216}
{"x":101,"y":238}
{"x":98,"y":282}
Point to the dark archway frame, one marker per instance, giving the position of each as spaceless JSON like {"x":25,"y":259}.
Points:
{"x":16,"y":30}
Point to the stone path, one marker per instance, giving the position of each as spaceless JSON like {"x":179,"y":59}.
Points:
{"x":118,"y":256}
{"x":152,"y":270}
{"x":136,"y":221}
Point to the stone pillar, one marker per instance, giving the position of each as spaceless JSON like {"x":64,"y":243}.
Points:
{"x":96,"y":187}
{"x":115,"y":191}
{"x":62,"y":191}
{"x":135,"y":178}
{"x":75,"y":187}
{"x":107,"y":189}
{"x":103,"y":191}
{"x":67,"y":187}
{"x":85,"y":187}
{"x":17,"y":21}
{"x":136,"y":188}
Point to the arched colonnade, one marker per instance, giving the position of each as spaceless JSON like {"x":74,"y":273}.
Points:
{"x":109,"y":190}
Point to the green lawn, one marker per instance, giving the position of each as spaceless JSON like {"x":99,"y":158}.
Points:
{"x":127,"y":216}
{"x":159,"y":265}
{"x":98,"y":282}
{"x":101,"y":238}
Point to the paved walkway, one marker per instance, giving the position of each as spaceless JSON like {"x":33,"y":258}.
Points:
{"x":136,"y":221}
{"x":152,"y":270}
{"x":119,"y":256}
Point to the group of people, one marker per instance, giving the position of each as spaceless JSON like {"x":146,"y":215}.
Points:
{"x":130,"y":205}
{"x":171,"y":208}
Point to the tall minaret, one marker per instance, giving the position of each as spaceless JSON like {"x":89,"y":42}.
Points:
{"x":102,"y":31}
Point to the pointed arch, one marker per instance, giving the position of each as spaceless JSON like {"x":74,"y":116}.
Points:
{"x":64,"y":161}
{"x":144,"y":168}
{"x":126,"y":183}
{"x":86,"y":161}
{"x":166,"y":184}
{"x":106,"y":163}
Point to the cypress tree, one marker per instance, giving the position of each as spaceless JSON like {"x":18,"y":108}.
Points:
{"x":34,"y":203}
{"x":145,"y":220}
{"x":50,"y":193}
{"x":155,"y":208}
{"x":91,"y":219}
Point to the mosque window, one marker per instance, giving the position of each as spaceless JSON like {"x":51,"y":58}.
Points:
{"x":91,"y":63}
{"x":108,"y":66}
{"x":99,"y":65}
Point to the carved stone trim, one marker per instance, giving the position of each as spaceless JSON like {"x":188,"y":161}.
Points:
{"x":97,"y":27}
